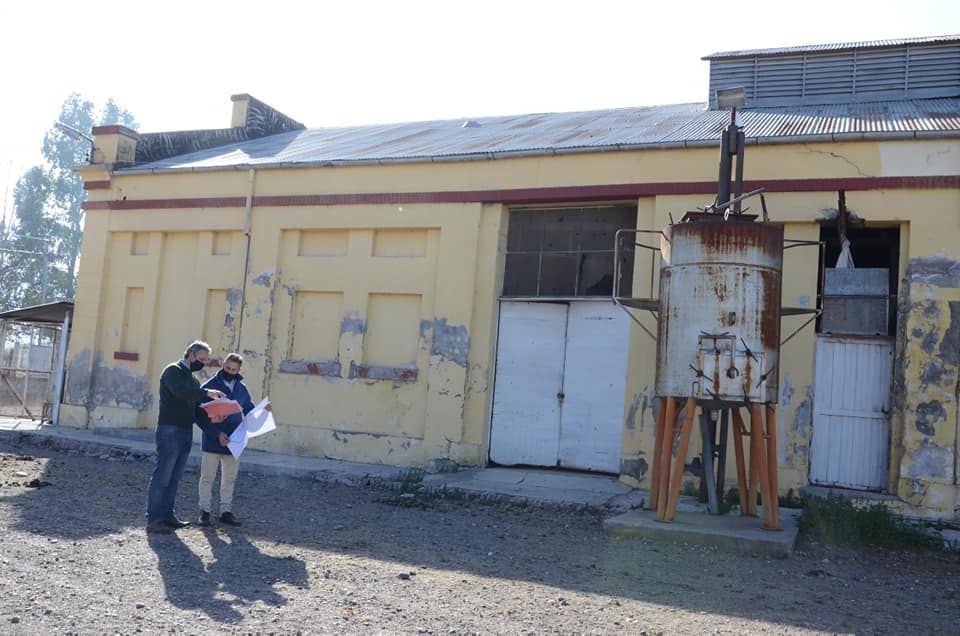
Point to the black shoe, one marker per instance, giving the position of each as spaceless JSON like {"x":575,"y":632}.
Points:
{"x":176,"y":524}
{"x":229,"y":519}
{"x":158,"y":528}
{"x":204,"y":519}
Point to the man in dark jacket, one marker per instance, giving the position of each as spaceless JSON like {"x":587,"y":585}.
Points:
{"x":180,"y":393}
{"x":215,"y":438}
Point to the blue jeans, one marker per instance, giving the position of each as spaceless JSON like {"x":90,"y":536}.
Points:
{"x":173,"y":448}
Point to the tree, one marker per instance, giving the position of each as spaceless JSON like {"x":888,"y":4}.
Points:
{"x":41,"y":243}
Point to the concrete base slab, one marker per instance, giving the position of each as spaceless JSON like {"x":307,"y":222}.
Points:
{"x":729,"y":531}
{"x":540,"y":486}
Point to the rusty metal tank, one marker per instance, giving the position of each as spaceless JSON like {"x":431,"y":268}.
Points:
{"x":719,"y":311}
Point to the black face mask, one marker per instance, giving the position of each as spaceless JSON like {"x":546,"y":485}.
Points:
{"x":228,"y":377}
{"x":196,"y":365}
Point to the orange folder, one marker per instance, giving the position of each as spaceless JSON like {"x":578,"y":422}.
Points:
{"x":221,"y":406}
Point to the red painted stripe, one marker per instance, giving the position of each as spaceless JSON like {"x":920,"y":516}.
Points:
{"x":96,"y":185}
{"x":515,"y":196}
{"x":167,"y":204}
{"x":126,"y":355}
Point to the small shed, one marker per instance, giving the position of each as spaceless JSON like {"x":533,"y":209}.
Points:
{"x":33,"y":345}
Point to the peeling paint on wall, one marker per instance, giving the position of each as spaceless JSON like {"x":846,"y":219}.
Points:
{"x":950,"y":344}
{"x":329,"y":367}
{"x":801,"y":430}
{"x":636,"y":468}
{"x":406,"y":373}
{"x":353,"y":324}
{"x":450,"y":342}
{"x":234,"y":298}
{"x":937,"y":271}
{"x":77,"y":389}
{"x":645,"y":405}
{"x":931,"y":461}
{"x":118,"y":386}
{"x":932,"y":372}
{"x":786,"y":392}
{"x":631,"y":422}
{"x":102,"y":385}
{"x":925,"y":382}
{"x":928,"y":414}
{"x":263,"y":279}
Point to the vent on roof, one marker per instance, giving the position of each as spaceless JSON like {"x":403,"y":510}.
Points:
{"x":470,"y":123}
{"x":843,"y":76}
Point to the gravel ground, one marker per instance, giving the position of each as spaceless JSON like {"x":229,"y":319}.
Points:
{"x":320,"y":558}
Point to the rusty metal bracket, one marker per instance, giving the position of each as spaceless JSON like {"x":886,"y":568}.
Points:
{"x":617,"y":302}
{"x":816,"y":314}
{"x":714,"y":207}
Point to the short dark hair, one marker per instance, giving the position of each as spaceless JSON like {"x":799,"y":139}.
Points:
{"x":234,"y":357}
{"x":195,"y":347}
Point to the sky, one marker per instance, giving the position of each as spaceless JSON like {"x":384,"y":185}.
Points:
{"x":175,"y":64}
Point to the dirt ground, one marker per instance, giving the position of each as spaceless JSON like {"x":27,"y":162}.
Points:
{"x":318,"y":558}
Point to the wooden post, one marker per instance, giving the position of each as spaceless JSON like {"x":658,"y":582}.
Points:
{"x":660,"y":434}
{"x":666,"y":448}
{"x":738,"y":433}
{"x":772,"y":502}
{"x":681,"y":458}
{"x":757,"y":444}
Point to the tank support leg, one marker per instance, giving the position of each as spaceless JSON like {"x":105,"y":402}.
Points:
{"x":666,"y":449}
{"x":660,"y":434}
{"x":681,"y":458}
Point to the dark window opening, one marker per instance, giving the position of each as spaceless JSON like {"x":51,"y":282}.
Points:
{"x":861,"y":301}
{"x":566,"y":252}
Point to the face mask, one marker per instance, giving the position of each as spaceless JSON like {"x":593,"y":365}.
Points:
{"x":228,"y":377}
{"x":196,"y":365}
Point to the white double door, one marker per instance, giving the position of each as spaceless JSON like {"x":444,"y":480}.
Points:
{"x":560,"y":381}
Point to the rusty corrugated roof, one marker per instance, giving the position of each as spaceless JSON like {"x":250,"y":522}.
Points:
{"x":555,"y":133}
{"x":839,"y":46}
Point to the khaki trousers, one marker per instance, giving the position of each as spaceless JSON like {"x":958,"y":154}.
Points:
{"x":229,"y":467}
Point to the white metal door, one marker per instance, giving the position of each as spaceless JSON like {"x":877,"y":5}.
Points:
{"x":525,"y":427}
{"x":594,"y":383}
{"x":851,"y":425}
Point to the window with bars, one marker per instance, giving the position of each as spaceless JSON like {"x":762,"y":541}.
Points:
{"x":566,"y":252}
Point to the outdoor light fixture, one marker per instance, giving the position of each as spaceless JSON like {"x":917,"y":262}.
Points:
{"x":731,"y":97}
{"x":73,"y":132}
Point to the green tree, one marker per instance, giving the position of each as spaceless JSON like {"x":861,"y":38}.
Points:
{"x":41,"y":243}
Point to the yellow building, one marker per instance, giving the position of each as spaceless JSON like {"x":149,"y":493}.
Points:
{"x":438,"y":293}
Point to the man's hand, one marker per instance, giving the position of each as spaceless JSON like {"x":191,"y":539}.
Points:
{"x":213,"y":394}
{"x":216,"y":419}
{"x":224,"y":440}
{"x":268,"y":408}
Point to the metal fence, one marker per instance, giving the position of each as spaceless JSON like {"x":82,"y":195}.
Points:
{"x":28,"y":368}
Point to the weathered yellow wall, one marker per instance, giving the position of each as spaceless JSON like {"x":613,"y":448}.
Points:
{"x":373,"y":327}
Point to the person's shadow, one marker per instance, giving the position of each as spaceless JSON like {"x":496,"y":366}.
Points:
{"x":238,"y":575}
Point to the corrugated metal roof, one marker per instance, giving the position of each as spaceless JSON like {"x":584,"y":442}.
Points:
{"x":839,"y":46}
{"x":828,"y":119}
{"x":555,"y":133}
{"x":50,"y":312}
